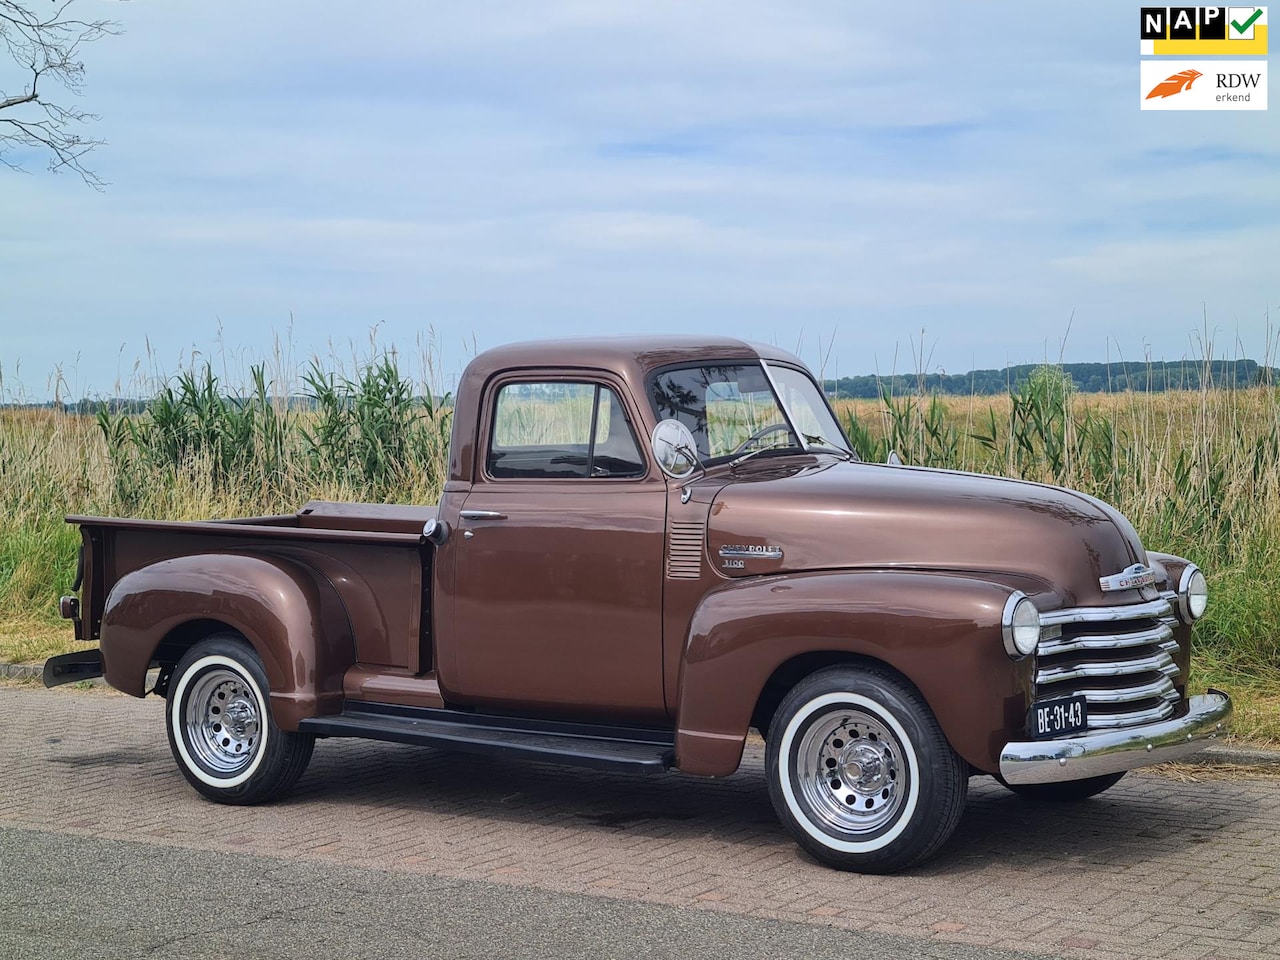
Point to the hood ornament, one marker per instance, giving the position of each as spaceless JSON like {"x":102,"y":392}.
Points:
{"x":1130,"y":578}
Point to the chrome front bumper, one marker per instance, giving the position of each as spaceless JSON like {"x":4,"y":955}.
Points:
{"x":1110,"y":751}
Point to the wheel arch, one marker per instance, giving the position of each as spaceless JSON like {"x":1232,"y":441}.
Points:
{"x":938,"y":632}
{"x":291,"y":616}
{"x":174,"y":645}
{"x":792,"y":671}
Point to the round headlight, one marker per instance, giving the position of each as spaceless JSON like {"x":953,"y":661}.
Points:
{"x":1021,"y":625}
{"x":1193,"y":594}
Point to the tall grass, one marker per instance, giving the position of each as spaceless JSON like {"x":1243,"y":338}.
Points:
{"x":373,"y":437}
{"x":206,"y":449}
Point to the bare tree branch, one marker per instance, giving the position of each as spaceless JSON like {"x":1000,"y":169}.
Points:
{"x":15,"y":101}
{"x":43,"y":41}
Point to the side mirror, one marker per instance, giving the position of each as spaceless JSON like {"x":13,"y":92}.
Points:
{"x":893,"y":459}
{"x":674,"y":449}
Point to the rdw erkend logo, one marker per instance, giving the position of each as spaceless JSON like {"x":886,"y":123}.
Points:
{"x":1203,"y":84}
{"x":1175,"y":84}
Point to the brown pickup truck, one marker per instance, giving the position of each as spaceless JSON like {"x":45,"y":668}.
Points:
{"x":645,"y":549}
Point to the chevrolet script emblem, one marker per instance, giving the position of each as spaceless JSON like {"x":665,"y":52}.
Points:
{"x":758,"y":550}
{"x":1130,"y":578}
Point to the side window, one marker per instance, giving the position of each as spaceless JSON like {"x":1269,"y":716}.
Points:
{"x":559,"y":430}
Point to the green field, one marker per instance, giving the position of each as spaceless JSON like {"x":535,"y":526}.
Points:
{"x":1198,"y":473}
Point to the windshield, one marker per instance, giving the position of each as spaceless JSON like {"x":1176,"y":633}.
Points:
{"x":733,"y":409}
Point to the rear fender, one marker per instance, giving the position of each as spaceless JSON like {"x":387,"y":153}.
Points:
{"x":293,"y":617}
{"x":941,"y":632}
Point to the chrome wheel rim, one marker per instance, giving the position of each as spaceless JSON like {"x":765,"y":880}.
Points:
{"x":222,"y":722}
{"x":851,"y":772}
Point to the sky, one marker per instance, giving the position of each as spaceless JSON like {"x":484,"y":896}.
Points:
{"x":878,"y":187}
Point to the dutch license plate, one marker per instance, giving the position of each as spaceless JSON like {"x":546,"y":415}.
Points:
{"x":1052,"y":718}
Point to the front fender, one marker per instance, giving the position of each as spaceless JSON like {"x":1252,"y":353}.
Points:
{"x":941,"y":632}
{"x":292,"y":616}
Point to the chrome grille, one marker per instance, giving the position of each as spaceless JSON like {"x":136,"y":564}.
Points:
{"x":684,"y":552}
{"x":1120,"y":659}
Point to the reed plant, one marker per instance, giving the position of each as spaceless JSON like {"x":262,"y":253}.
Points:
{"x":200,"y":449}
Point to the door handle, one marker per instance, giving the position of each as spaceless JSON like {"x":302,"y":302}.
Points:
{"x":481,"y":515}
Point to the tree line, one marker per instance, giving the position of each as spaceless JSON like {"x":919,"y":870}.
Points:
{"x":1083,"y":377}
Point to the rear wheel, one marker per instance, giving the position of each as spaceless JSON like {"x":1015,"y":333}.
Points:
{"x":860,"y":772}
{"x":1067,"y":791}
{"x":220,"y":727}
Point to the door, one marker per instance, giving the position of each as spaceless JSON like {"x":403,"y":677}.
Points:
{"x":558,"y":588}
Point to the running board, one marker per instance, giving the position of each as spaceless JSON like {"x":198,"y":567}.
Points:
{"x":633,"y":749}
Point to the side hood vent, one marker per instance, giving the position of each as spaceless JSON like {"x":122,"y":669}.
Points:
{"x":684,"y":551}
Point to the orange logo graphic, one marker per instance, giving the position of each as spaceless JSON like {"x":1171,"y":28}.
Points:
{"x":1175,"y":84}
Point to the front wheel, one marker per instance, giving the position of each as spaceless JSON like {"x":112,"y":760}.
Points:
{"x":220,"y":726}
{"x":860,"y":773}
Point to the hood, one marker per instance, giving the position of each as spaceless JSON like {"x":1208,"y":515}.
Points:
{"x":776,"y":516}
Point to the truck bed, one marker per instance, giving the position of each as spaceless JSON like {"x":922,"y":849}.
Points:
{"x":373,"y":555}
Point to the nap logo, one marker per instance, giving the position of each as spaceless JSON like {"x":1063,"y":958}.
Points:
{"x":1203,"y":84}
{"x":1203,"y":31}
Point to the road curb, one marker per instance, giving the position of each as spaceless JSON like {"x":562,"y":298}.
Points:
{"x":35,"y":671}
{"x":21,"y":671}
{"x":1241,"y":756}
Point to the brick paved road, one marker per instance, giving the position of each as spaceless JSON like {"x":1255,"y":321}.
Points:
{"x":1154,"y":868}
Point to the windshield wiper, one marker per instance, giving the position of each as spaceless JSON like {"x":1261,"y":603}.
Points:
{"x":751,"y":453}
{"x":820,"y":445}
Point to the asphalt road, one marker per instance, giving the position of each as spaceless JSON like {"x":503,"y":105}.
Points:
{"x":387,"y":851}
{"x":78,"y":898}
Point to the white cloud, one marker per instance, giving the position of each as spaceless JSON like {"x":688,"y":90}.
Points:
{"x":751,"y":167}
{"x":1188,"y":265}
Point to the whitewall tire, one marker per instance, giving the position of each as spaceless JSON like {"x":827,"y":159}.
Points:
{"x":221,"y":732}
{"x":860,"y":773}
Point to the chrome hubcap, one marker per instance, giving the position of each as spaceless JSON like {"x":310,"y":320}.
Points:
{"x":222,"y":721}
{"x":851,"y":772}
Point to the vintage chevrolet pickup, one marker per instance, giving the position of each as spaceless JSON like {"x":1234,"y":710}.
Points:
{"x":646,"y":548}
